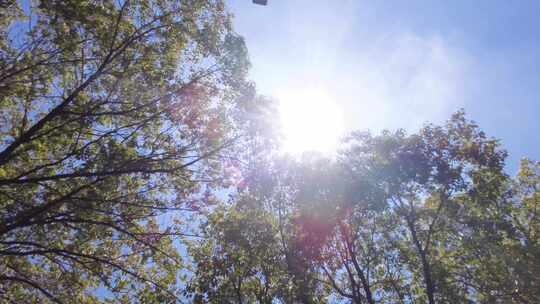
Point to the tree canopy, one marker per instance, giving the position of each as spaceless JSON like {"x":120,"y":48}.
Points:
{"x":429,"y":217}
{"x":112,"y":114}
{"x":139,"y":165}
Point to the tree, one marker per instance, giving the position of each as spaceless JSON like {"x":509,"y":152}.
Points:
{"x":253,"y":250}
{"x":429,"y":217}
{"x":114,"y":118}
{"x":421,"y":176}
{"x":500,"y":244}
{"x":239,"y":260}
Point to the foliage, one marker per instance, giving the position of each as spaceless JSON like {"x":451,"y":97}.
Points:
{"x":241,"y":261}
{"x":115,"y":117}
{"x":124,"y":124}
{"x":429,"y":217}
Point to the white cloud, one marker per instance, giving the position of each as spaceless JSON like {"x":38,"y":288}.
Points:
{"x":401,"y":80}
{"x":380,"y":77}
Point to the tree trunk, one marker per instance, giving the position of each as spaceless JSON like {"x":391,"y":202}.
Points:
{"x":426,"y":268}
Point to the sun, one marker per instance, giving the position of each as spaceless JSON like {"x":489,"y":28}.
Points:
{"x":310,"y":121}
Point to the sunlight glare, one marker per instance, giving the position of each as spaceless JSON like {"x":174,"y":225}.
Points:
{"x":310,"y":121}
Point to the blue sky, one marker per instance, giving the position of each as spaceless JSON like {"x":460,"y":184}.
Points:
{"x":393,"y":64}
